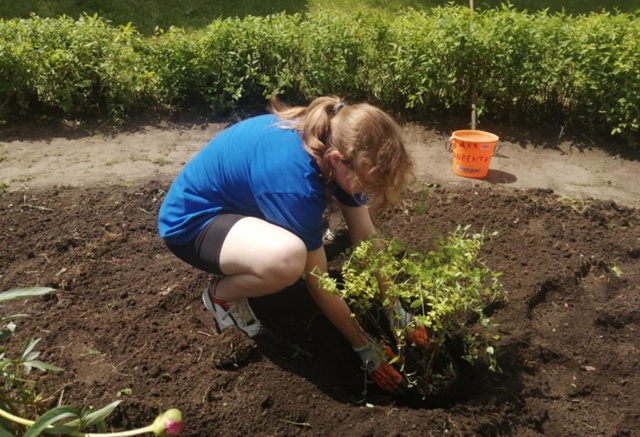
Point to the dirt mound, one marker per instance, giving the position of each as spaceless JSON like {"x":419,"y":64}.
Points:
{"x":127,"y":321}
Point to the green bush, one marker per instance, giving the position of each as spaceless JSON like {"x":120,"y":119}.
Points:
{"x":607,"y":78}
{"x":431,"y":60}
{"x":249,"y":59}
{"x":448,"y":291}
{"x":71,"y":67}
{"x":342,"y":54}
{"x":523,"y":67}
{"x":230,"y":62}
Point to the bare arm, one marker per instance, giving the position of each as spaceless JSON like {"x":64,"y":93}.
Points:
{"x":360,"y":228}
{"x":338,"y":312}
{"x":359,"y":223}
{"x":333,"y":307}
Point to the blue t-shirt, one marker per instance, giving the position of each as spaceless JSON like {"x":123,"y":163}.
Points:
{"x":254,"y":168}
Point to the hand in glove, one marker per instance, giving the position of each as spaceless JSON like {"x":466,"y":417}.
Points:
{"x":415,"y":333}
{"x":376,"y":360}
{"x":418,"y":336}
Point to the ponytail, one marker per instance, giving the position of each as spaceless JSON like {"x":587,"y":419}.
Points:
{"x":314,"y":124}
{"x":368,"y":139}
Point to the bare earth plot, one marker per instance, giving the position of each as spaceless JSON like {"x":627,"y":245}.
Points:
{"x":78,"y":213}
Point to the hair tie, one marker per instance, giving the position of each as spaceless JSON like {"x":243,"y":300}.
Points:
{"x":337,"y":107}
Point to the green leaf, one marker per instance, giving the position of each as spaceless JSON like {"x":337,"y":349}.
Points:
{"x":11,"y":317}
{"x":50,"y":417}
{"x":28,"y":347}
{"x":22,"y":293}
{"x":4,"y":432}
{"x":44,"y":366}
{"x":99,"y":415}
{"x":31,"y":356}
{"x":125,"y":392}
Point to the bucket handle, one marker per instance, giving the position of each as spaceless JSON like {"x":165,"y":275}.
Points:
{"x":448,"y":144}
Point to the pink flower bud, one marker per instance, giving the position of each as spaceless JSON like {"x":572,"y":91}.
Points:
{"x":168,"y":424}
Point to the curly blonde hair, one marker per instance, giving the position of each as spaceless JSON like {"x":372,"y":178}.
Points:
{"x":368,"y":139}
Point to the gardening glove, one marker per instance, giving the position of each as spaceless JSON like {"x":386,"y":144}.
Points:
{"x":416,"y":334}
{"x":375,"y":358}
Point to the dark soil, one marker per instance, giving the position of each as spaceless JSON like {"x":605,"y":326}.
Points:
{"x":128,"y":315}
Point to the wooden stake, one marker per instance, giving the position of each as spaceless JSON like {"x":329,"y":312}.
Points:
{"x":473,"y":80}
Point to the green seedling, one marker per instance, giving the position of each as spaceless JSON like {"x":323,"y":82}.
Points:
{"x":18,"y":397}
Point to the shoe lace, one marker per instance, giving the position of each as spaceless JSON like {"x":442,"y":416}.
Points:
{"x":242,"y":311}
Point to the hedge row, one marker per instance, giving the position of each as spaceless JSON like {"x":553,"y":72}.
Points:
{"x":540,"y":67}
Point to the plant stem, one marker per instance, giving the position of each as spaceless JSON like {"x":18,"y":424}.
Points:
{"x":27,"y":422}
{"x":129,"y":433}
{"x":15,"y":419}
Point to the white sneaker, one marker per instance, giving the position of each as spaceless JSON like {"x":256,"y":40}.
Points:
{"x":227,"y":314}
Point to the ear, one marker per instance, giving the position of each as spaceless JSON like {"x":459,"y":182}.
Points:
{"x":335,"y":157}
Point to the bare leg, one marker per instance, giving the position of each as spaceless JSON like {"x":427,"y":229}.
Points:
{"x":258,"y":259}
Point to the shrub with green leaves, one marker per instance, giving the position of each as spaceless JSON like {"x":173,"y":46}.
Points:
{"x":248,"y":60}
{"x":521,"y":67}
{"x":345,"y":54}
{"x":229,"y":63}
{"x":72,"y":67}
{"x":447,"y":290}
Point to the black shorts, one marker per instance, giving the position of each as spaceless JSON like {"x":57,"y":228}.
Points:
{"x":203,"y":252}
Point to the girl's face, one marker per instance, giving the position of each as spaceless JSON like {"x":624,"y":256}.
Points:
{"x":347,"y":179}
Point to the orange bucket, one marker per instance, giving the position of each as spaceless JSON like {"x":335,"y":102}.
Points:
{"x":472,"y":152}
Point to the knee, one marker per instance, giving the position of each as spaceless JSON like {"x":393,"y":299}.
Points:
{"x":287,"y":263}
